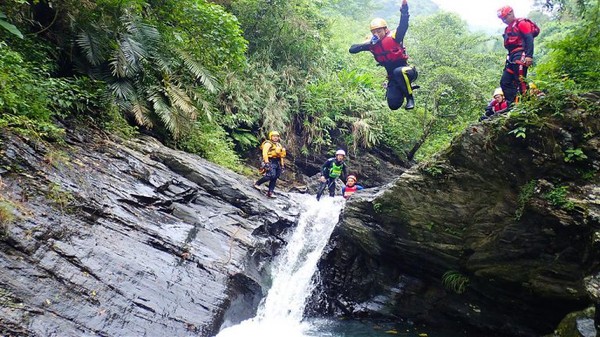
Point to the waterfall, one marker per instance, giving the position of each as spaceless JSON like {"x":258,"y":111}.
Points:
{"x":280,"y":312}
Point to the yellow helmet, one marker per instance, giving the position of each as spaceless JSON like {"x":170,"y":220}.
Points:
{"x":498,"y":91}
{"x":532,"y":85}
{"x":377,"y":23}
{"x":273,"y":133}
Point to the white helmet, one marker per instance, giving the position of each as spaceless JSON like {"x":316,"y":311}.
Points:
{"x":342,"y":152}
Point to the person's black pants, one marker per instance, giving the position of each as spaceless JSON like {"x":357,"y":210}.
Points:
{"x":399,"y":86}
{"x":271,"y":175}
{"x":513,"y":76}
{"x":331,"y":185}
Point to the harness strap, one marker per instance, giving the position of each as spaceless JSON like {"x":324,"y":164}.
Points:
{"x":406,"y":79}
{"x":522,"y":84}
{"x":517,"y":50}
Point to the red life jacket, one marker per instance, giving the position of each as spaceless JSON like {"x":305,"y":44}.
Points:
{"x":513,"y":33}
{"x":497,"y":106}
{"x":349,"y":190}
{"x":387,"y":49}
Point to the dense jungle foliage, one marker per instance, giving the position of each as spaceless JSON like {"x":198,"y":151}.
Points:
{"x":212,"y":77}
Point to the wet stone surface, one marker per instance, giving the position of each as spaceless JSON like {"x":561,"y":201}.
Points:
{"x":126,"y":239}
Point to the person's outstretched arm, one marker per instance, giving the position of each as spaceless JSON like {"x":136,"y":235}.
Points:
{"x":357,"y":48}
{"x":403,"y":25}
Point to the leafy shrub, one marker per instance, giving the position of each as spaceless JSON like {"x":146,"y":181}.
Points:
{"x":525,"y":195}
{"x":583,"y":69}
{"x":61,"y":198}
{"x":558,"y":197}
{"x":6,"y":217}
{"x":210,"y":142}
{"x":572,"y":155}
{"x":75,"y":95}
{"x":21,"y":87}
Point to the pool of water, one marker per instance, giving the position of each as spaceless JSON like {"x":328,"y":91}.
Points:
{"x":353,"y":328}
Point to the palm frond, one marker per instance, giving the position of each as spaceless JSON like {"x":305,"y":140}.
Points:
{"x":122,"y":90}
{"x":165,"y":112}
{"x":142,"y":31}
{"x":180,"y":100}
{"x":207,"y":108}
{"x":140,"y":111}
{"x":133,"y":51}
{"x":198,"y":71}
{"x":118,"y":63}
{"x":164,"y":62}
{"x":91,"y":45}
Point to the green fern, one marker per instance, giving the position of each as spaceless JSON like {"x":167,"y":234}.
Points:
{"x":148,"y":79}
{"x":455,"y":281}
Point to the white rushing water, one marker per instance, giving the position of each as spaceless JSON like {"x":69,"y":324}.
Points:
{"x":280,"y":312}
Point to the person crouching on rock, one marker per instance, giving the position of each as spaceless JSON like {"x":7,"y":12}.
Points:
{"x":497,"y":106}
{"x":350,"y":187}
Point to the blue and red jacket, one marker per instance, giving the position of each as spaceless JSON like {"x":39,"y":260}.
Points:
{"x":389,"y":52}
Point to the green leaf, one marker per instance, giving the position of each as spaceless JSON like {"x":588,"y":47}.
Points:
{"x":11,"y":28}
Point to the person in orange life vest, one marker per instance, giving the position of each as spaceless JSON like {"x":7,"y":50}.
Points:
{"x":497,"y":106}
{"x":350,"y":187}
{"x":388,"y":49}
{"x":518,"y":40}
{"x":272,"y":155}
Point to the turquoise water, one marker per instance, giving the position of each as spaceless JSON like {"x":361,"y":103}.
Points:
{"x":352,"y":328}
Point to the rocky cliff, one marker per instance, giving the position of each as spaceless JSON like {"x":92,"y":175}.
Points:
{"x":498,"y":233}
{"x":127,"y":239}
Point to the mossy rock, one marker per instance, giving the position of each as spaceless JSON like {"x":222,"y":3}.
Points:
{"x":577,"y":324}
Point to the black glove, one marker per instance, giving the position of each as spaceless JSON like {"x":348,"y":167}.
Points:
{"x":489,"y":111}
{"x":266,"y":166}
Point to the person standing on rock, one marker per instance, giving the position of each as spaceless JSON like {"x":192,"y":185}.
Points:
{"x":272,"y":164}
{"x":388,"y":49}
{"x":333,"y":169}
{"x":518,"y":40}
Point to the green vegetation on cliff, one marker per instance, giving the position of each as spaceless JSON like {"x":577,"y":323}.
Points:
{"x":213,"y":77}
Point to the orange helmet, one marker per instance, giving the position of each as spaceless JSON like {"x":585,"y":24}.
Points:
{"x":504,"y":11}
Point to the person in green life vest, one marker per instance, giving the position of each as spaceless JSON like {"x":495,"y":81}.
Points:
{"x":333,"y":169}
{"x":272,"y":162}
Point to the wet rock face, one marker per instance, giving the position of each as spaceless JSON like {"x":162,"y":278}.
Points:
{"x":497,"y":233}
{"x":129,"y":239}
